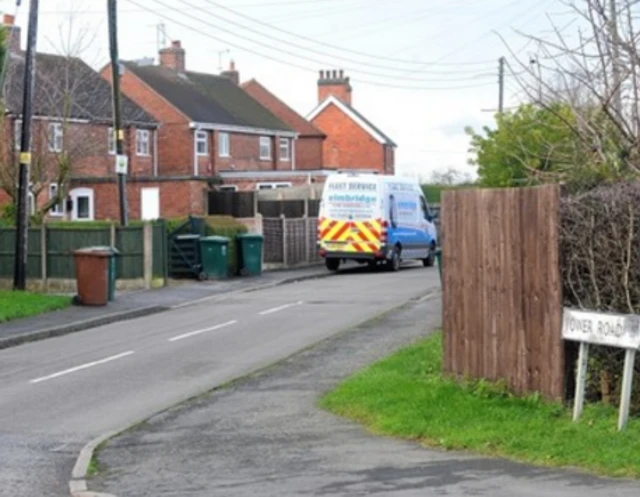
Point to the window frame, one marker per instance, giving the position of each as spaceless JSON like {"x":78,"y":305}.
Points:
{"x":224,"y":138}
{"x":265,"y":141}
{"x":55,"y":137}
{"x":228,"y":188}
{"x":287,"y":142}
{"x":56,"y":210}
{"x":202,"y":137}
{"x":143,"y":138}
{"x":273,"y":185}
{"x":75,"y":195}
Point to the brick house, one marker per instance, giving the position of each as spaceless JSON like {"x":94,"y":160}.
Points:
{"x":212,"y":130}
{"x":308,"y":151}
{"x":352,"y":142}
{"x":72,"y":137}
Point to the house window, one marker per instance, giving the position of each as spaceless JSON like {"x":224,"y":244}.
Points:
{"x":83,"y":206}
{"x":142,"y":142}
{"x":228,"y":188}
{"x":56,"y":209}
{"x":17,"y":133}
{"x":265,"y":148}
{"x":223,"y":145}
{"x":54,"y":137}
{"x":271,"y":186}
{"x":202,"y":144}
{"x":31,"y":203}
{"x":111,"y":141}
{"x":285,"y":149}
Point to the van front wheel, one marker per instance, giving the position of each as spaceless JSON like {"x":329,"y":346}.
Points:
{"x":333,"y":264}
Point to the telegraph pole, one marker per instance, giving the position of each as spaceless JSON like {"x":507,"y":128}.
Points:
{"x":501,"y":84}
{"x":22,"y":214}
{"x":121,"y":160}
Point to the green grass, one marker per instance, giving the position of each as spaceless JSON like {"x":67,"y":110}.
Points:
{"x":405,"y":396}
{"x":14,"y":305}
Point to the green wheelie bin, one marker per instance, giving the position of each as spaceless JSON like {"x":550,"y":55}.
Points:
{"x":214,"y":255}
{"x":250,"y":253}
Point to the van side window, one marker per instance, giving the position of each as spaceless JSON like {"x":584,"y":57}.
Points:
{"x":392,"y":210}
{"x":425,"y":209}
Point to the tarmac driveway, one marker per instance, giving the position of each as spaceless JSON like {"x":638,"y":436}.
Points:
{"x":264,"y":436}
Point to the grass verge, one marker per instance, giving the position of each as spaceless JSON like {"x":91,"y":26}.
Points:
{"x":14,"y":305}
{"x":406,"y":396}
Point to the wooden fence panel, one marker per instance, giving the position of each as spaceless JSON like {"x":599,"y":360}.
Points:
{"x":502,"y":302}
{"x":61,"y":243}
{"x":130,"y":243}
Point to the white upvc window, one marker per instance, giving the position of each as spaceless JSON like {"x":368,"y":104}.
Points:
{"x":228,"y":188}
{"x":271,"y":186}
{"x":285,"y":149}
{"x":55,"y":137}
{"x":224,"y":145}
{"x":111,"y":142}
{"x":56,"y":209}
{"x":265,"y":148}
{"x":202,"y":143}
{"x":83,"y":206}
{"x":142,"y":142}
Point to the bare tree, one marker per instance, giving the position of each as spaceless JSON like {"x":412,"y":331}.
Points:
{"x":63,"y":103}
{"x":592,"y":65}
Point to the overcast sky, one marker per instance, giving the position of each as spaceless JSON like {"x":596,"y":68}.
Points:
{"x":421,"y":70}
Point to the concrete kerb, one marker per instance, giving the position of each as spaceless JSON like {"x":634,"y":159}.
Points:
{"x":78,"y":484}
{"x":137,"y":313}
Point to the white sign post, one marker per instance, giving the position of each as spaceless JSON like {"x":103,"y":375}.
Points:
{"x":612,"y":330}
{"x":122,"y":164}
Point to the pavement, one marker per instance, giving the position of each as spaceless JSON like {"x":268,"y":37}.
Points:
{"x":265,"y":436}
{"x":56,"y":395}
{"x":129,"y":305}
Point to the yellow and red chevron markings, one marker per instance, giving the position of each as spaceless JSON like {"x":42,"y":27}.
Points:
{"x":352,"y":236}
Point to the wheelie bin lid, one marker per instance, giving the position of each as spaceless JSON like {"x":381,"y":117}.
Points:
{"x":106,"y":249}
{"x":250,"y":236}
{"x":217,"y":240}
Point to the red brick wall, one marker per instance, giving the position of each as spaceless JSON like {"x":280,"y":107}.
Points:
{"x":309,"y":153}
{"x":175,"y":139}
{"x":245,"y":154}
{"x":177,"y":198}
{"x":347,"y":145}
{"x":250,"y":184}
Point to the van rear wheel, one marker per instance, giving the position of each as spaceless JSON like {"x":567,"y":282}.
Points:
{"x":431,"y":258}
{"x":393,"y":264}
{"x":332,"y":263}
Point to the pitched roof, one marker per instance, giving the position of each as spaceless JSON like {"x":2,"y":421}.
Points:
{"x":206,"y":98}
{"x":356,"y":116}
{"x":66,"y":87}
{"x":281,"y":109}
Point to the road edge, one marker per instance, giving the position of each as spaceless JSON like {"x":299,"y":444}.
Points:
{"x":118,"y":317}
{"x":78,"y":483}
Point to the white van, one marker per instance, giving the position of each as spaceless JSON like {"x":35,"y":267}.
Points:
{"x":372,"y":218}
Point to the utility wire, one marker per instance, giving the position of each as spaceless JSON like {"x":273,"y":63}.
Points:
{"x":316,"y":61}
{"x":335,"y":47}
{"x":293,"y":64}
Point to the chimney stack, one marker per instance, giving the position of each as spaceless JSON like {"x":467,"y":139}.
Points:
{"x":334,"y":83}
{"x":173,"y":57}
{"x":231,"y":73}
{"x":13,"y":31}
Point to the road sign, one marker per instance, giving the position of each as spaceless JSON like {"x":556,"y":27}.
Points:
{"x":122,"y":164}
{"x":612,"y":330}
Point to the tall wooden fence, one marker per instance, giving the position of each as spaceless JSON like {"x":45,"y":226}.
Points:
{"x":502,"y":292}
{"x":290,"y":242}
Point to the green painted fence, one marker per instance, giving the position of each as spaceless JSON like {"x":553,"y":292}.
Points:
{"x":61,"y":242}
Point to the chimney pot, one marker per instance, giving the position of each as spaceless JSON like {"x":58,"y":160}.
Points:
{"x":8,"y":20}
{"x":176,"y":44}
{"x":341,"y":73}
{"x":232,"y":65}
{"x":335,"y":74}
{"x":173,"y":57}
{"x":321,"y":74}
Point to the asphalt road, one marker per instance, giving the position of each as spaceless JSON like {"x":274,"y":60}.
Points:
{"x":264,"y":436}
{"x":58,"y":394}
